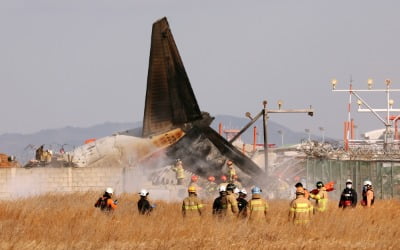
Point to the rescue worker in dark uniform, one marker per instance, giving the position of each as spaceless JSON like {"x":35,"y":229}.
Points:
{"x":242,"y":203}
{"x":144,"y":205}
{"x":220,"y":203}
{"x":348,"y":198}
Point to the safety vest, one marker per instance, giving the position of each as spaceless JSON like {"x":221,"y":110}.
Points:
{"x":321,"y":200}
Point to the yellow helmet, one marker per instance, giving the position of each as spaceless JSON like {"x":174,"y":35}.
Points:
{"x":192,"y":189}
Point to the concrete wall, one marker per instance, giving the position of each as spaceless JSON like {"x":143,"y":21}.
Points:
{"x":22,"y":182}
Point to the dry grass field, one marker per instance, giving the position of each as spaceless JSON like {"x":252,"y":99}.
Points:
{"x":71,"y":222}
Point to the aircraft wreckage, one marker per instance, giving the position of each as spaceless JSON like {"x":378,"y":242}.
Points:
{"x":173,"y":125}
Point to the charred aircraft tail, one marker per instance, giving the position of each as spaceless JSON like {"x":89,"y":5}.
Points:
{"x":171,"y":103}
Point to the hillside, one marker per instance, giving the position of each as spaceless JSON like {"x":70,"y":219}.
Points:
{"x":23,"y":145}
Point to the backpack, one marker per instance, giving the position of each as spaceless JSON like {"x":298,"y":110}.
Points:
{"x":102,"y":203}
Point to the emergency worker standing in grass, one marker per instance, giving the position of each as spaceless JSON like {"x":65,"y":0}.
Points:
{"x":144,"y":205}
{"x":242,"y":203}
{"x":299,"y":186}
{"x":220,"y":203}
{"x":232,"y":208}
{"x":301,"y":209}
{"x":191,"y":206}
{"x":368,"y":197}
{"x":105,"y":203}
{"x":348,"y":198}
{"x":257,"y":207}
{"x":321,"y":197}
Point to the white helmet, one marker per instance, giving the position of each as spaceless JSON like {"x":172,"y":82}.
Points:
{"x":349,"y":181}
{"x":236,"y":190}
{"x":109,"y":190}
{"x":367,"y":183}
{"x":143,"y":192}
{"x":243,"y":191}
{"x":222,"y":188}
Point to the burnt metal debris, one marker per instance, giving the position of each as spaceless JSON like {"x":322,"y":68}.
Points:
{"x":171,"y":103}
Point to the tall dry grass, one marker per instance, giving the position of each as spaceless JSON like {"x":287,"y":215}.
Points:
{"x":71,"y":222}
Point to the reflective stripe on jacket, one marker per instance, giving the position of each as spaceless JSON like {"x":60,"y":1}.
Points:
{"x":301,"y":210}
{"x":257,"y":208}
{"x":191,"y":205}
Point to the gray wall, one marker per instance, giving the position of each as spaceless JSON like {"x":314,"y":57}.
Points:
{"x":22,"y":182}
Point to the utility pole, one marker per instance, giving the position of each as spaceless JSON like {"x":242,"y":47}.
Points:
{"x":388,"y":134}
{"x":281,"y":133}
{"x":264,"y":113}
{"x":265,"y":120}
{"x":323,"y":133}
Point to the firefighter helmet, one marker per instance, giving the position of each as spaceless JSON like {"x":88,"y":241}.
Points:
{"x":109,"y":190}
{"x":222,"y":188}
{"x":211,"y":178}
{"x":256,"y":190}
{"x":143,"y":192}
{"x":367,"y":183}
{"x":349,"y":181}
{"x":243,"y":191}
{"x":230,"y":186}
{"x":223,"y":178}
{"x":320,"y":184}
{"x":194,"y":178}
{"x":192,"y":189}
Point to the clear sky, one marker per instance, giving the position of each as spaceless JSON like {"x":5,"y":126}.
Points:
{"x":84,"y":62}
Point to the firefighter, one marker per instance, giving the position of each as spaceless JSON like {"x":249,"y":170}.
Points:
{"x":348,"y":198}
{"x":194,"y":183}
{"x":257,"y":207}
{"x":220,"y":203}
{"x":211,"y":186}
{"x":144,"y":205}
{"x":191,"y":206}
{"x":242,"y":203}
{"x":321,"y":197}
{"x":179,"y":171}
{"x":224,"y":181}
{"x":105,"y":203}
{"x":299,"y":186}
{"x":236,"y":182}
{"x":301,"y":209}
{"x":231,"y":205}
{"x":368,"y":194}
{"x":231,"y":170}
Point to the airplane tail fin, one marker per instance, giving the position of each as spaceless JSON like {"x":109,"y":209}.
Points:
{"x":170,"y":101}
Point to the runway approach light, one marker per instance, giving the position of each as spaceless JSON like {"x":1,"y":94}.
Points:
{"x":333,"y":82}
{"x":370,"y":82}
